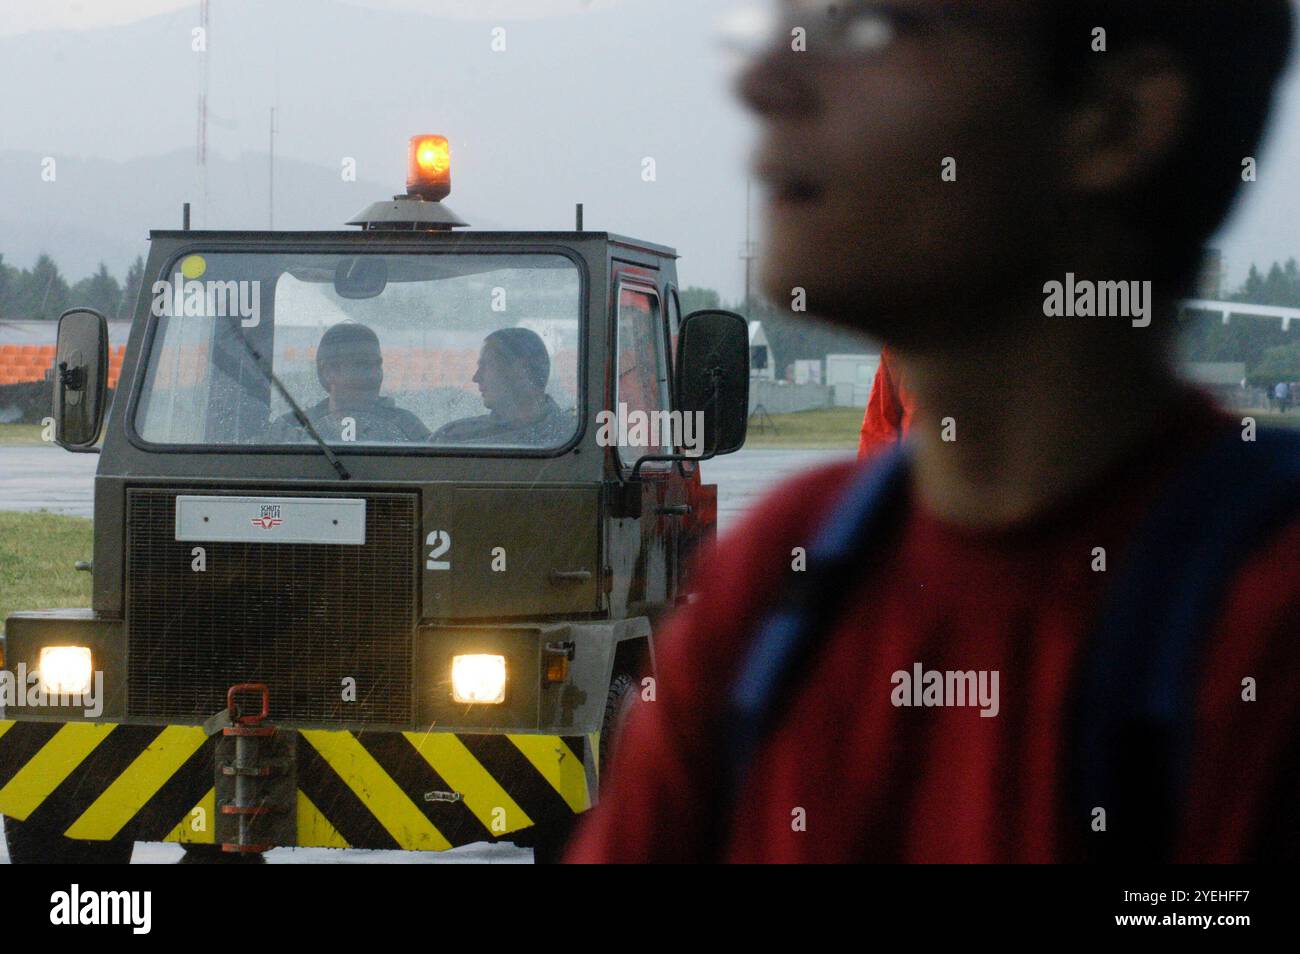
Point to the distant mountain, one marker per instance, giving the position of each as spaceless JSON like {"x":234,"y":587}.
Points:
{"x":102,"y":211}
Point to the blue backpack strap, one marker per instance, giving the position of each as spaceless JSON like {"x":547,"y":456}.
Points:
{"x":1137,"y":695}
{"x":810,"y":602}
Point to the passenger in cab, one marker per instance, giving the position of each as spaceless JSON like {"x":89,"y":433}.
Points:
{"x":513,"y":369}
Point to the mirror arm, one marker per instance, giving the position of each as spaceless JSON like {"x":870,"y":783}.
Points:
{"x":715,"y":379}
{"x":636,"y":468}
{"x":71,"y":379}
{"x":92,"y":449}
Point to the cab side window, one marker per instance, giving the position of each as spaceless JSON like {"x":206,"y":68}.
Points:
{"x":674,"y":321}
{"x":642,"y":386}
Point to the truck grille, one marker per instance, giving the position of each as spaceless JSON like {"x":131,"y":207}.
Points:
{"x":302,"y":618}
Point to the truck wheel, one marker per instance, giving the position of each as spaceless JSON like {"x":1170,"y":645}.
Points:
{"x":30,"y":844}
{"x":618,"y":701}
{"x":551,"y":839}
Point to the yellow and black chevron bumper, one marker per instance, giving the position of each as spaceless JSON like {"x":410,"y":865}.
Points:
{"x":414,"y":790}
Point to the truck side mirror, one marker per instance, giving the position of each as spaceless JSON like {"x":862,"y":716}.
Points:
{"x":713,"y":376}
{"x":80,"y":379}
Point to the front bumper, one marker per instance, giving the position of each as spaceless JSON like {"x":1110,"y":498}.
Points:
{"x":424,"y":791}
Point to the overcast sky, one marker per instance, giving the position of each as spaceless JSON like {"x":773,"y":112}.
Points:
{"x":699,"y":205}
{"x":24,"y":16}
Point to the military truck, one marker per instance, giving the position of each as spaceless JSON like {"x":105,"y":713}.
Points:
{"x":335,"y":603}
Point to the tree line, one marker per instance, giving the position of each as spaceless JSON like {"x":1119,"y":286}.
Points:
{"x":42,"y":293}
{"x":1269,"y":353}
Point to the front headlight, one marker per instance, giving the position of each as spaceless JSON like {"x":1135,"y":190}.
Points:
{"x":478,"y":679}
{"x":65,"y":669}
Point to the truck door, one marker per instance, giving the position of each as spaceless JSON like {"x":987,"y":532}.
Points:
{"x":698,"y":528}
{"x":643,"y":549}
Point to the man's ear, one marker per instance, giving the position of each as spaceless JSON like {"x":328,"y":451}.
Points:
{"x":1132,"y":111}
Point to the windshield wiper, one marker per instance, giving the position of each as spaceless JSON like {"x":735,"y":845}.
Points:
{"x":293,"y":405}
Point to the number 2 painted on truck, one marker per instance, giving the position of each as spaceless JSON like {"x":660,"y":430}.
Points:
{"x":440,"y":541}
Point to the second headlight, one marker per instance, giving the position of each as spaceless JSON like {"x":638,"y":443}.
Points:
{"x":478,"y":678}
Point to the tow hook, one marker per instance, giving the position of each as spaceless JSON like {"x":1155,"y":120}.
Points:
{"x":255,"y":769}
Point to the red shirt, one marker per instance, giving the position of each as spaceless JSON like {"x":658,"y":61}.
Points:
{"x":873,"y":781}
{"x":890,"y":410}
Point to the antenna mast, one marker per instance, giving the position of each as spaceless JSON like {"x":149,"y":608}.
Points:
{"x":202,"y":152}
{"x":270,"y":198}
{"x":748,"y":254}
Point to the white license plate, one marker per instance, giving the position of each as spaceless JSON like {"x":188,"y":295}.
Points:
{"x":335,"y":520}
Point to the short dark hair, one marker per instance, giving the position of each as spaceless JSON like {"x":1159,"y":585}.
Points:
{"x":338,"y":336}
{"x":1234,"y":52}
{"x":525,"y":347}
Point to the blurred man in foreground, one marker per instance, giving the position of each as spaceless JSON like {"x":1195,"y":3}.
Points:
{"x":944,"y":657}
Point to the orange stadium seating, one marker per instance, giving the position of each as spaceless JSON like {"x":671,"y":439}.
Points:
{"x":404,"y":368}
{"x":20,"y":364}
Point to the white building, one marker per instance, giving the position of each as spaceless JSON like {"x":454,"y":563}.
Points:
{"x":850,"y":377}
{"x":808,"y":371}
{"x":762,"y":363}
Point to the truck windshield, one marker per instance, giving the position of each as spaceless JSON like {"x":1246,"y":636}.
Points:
{"x":436,"y":350}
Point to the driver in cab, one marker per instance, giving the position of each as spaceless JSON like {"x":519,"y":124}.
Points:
{"x":350,"y":368}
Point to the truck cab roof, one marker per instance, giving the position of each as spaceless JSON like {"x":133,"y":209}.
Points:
{"x":442,"y":237}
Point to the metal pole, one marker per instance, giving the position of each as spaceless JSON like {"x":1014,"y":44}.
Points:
{"x":270,"y":201}
{"x":749,"y":246}
{"x":202,"y":157}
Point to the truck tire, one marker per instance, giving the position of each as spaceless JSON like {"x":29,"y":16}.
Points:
{"x":617,"y":702}
{"x":30,"y":844}
{"x":550,"y":840}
